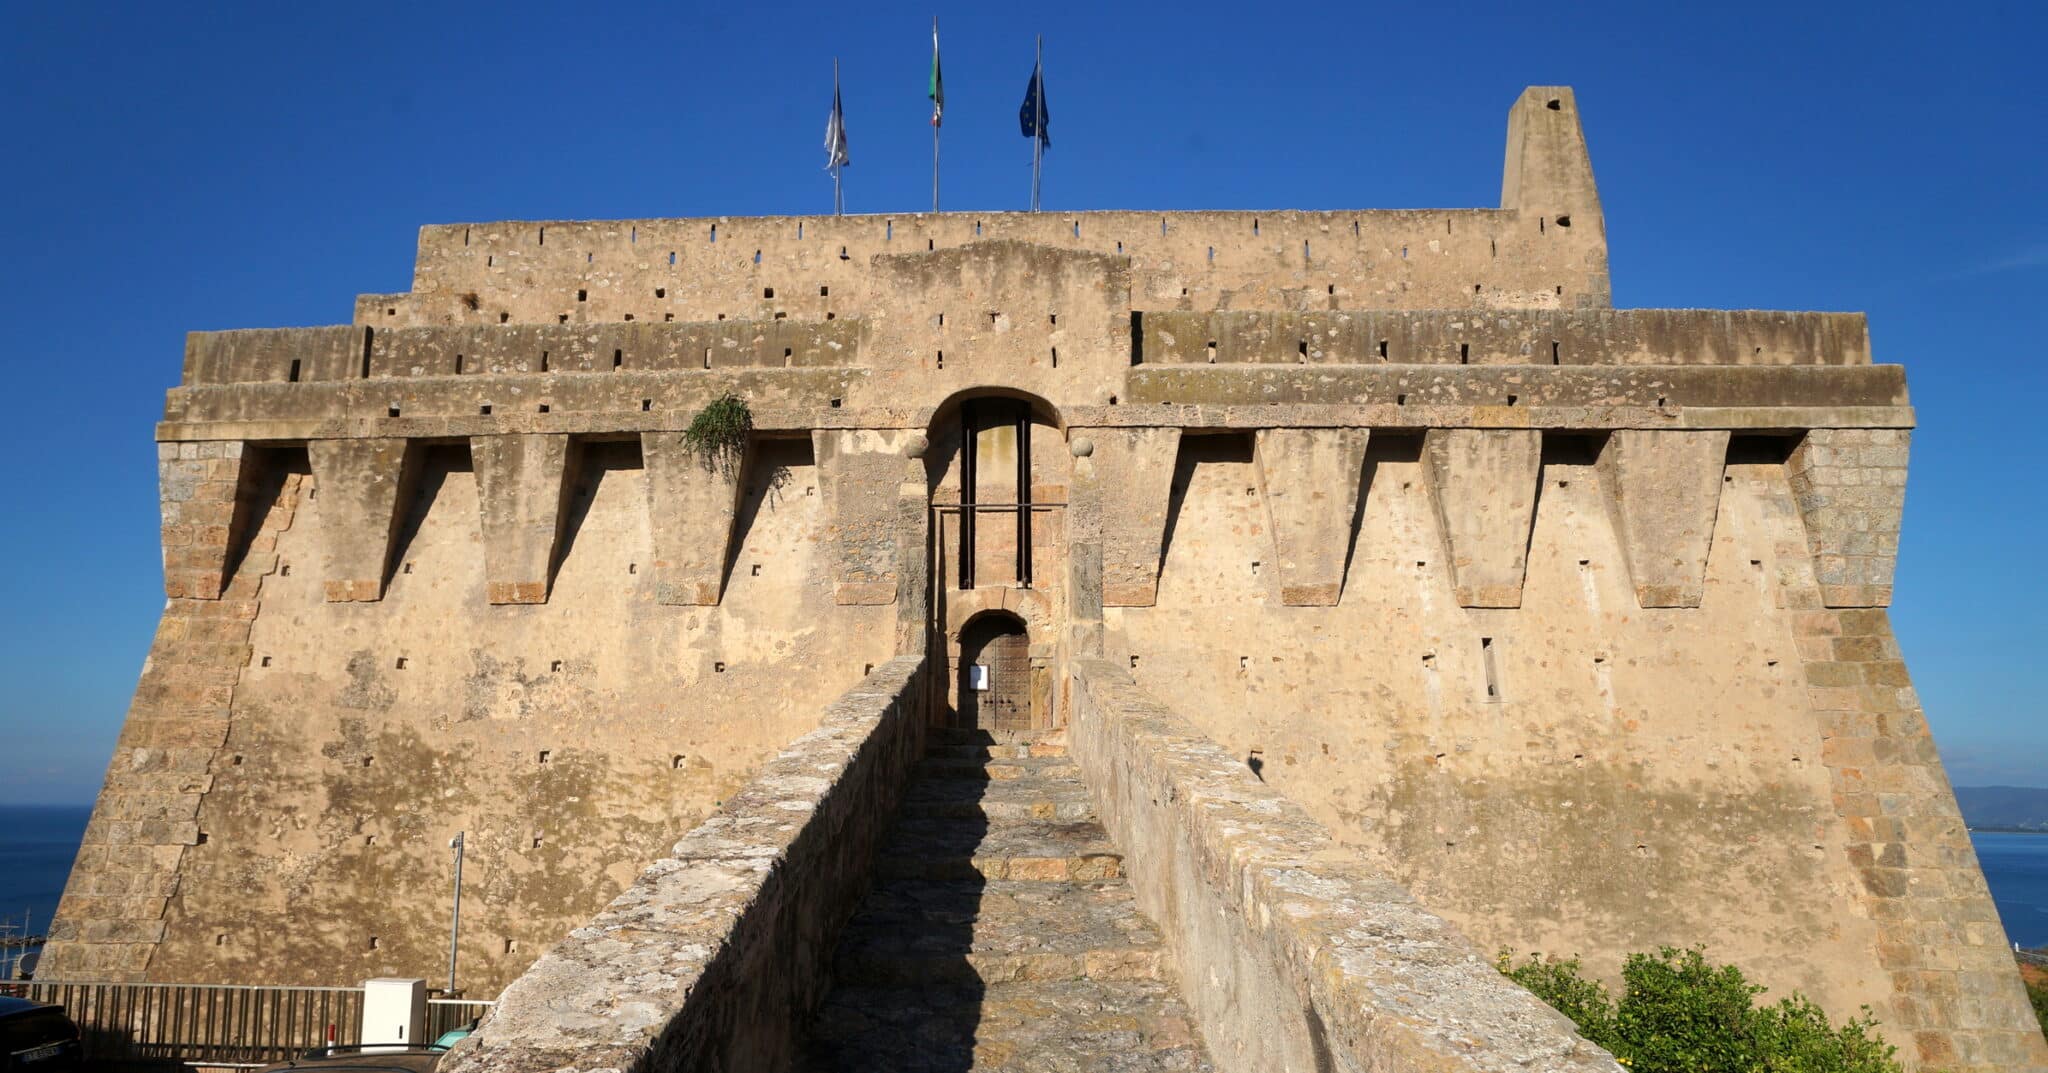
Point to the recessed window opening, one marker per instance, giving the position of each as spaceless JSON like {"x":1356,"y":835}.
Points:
{"x":661,"y":292}
{"x":504,"y":318}
{"x":1401,"y":400}
{"x":1404,"y":253}
{"x":1564,"y":221}
{"x":582,"y":295}
{"x":977,"y":227}
{"x":1492,"y":674}
{"x":714,"y":232}
{"x":757,"y":256}
{"x":1212,"y":255}
{"x":942,"y":359}
{"x":1383,"y":350}
{"x":1304,"y":249}
{"x":799,"y":229}
{"x":767,"y":292}
{"x":543,"y":361}
{"x":293,"y":375}
{"x":1212,"y":351}
{"x":485,"y":409}
{"x":589,"y":257}
{"x":1464,"y":353}
{"x":1555,"y":105}
{"x":1255,"y":225}
{"x":618,"y":359}
{"x":842,"y":254}
{"x":1512,"y":399}
{"x":1553,"y":352}
{"x":392,"y":411}
{"x":543,"y":407}
{"x":646,"y":405}
{"x":1077,"y":229}
{"x":930,"y":244}
{"x":671,"y":257}
{"x":1301,"y":349}
{"x":824,"y":292}
{"x":633,"y":236}
{"x":543,"y":237}
{"x":465,"y":236}
{"x":1055,"y":357}
{"x":490,"y":259}
{"x":888,"y":230}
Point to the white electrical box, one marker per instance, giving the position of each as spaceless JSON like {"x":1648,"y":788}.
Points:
{"x":394,"y":1013}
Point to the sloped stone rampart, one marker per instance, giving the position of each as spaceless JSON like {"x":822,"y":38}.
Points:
{"x":714,"y":957}
{"x":1293,"y":954}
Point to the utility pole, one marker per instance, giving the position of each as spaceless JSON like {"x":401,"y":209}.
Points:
{"x":455,"y":921}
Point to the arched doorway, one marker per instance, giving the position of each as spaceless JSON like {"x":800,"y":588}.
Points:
{"x":993,"y":682}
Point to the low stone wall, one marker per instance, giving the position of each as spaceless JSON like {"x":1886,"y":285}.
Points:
{"x":1292,"y":953}
{"x":713,"y":959}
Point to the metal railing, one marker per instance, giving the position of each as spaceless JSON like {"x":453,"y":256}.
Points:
{"x":447,"y":1014}
{"x":210,"y":1024}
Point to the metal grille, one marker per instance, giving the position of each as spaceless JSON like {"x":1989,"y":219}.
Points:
{"x":204,"y":1023}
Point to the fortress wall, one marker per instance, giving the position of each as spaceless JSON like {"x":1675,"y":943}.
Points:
{"x":1545,"y":248}
{"x":1292,"y":953}
{"x":349,"y":741}
{"x":1538,"y":755}
{"x":1589,"y":337}
{"x":535,"y":272}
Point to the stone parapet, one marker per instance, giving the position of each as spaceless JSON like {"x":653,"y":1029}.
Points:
{"x":714,"y":957}
{"x":1500,"y":337}
{"x":1291,"y":952}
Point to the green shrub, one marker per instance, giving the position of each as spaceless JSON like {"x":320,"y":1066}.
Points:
{"x":2039,"y":993}
{"x":1679,"y":1013}
{"x":718,"y":434}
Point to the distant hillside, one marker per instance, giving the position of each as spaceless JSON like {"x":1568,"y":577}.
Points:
{"x":2013,"y":808}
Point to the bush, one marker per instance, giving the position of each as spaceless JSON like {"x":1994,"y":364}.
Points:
{"x":1678,"y":1013}
{"x":718,"y":434}
{"x":2039,"y":993}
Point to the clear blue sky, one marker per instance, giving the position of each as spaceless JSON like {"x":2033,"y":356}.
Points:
{"x":174,"y":167}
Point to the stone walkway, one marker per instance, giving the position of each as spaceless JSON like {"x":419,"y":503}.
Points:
{"x":1001,"y":934}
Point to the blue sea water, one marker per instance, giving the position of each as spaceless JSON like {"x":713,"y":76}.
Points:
{"x":2016,"y":869}
{"x":37,"y":844}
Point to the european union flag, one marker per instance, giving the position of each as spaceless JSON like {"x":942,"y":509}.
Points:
{"x":1034,"y":117}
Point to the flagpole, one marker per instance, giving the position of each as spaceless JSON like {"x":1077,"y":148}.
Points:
{"x":936,"y":115}
{"x":838,"y":199}
{"x":1038,"y":126}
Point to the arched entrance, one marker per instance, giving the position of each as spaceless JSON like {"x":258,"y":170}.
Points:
{"x":993,"y":683}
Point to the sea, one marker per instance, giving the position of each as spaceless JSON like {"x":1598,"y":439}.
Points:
{"x":37,"y":844}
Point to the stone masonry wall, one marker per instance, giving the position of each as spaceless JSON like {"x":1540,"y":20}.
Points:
{"x":716,"y":954}
{"x":1293,"y":954}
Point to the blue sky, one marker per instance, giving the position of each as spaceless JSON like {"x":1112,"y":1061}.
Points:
{"x":175,"y":168}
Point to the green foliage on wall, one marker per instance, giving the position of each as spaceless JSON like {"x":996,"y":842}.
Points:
{"x":1678,"y":1013}
{"x":2039,"y":993}
{"x":718,"y":434}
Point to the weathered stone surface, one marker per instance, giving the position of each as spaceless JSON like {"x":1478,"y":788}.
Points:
{"x":1263,"y":909}
{"x":1663,"y":491}
{"x":706,"y":961}
{"x":1311,"y":482}
{"x":1483,"y":484}
{"x":1004,"y":940}
{"x":520,"y":490}
{"x":1851,"y":489}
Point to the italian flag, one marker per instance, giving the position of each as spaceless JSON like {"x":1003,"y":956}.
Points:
{"x":937,"y":92}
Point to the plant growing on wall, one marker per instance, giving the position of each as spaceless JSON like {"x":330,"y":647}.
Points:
{"x":718,"y":434}
{"x":1679,"y":1013}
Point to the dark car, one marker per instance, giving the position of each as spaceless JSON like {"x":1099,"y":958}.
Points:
{"x":37,"y":1038}
{"x":357,"y":1059}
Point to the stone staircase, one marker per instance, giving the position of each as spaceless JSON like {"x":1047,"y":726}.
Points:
{"x":1001,"y":934}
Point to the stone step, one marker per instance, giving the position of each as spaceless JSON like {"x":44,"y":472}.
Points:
{"x":998,"y":801}
{"x":997,"y":769}
{"x":958,"y":848}
{"x":1029,"y":742}
{"x":981,"y":750}
{"x":1076,"y":1026}
{"x":997,"y":931}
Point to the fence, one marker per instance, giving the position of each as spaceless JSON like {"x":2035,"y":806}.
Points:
{"x":204,"y":1024}
{"x":447,"y":1014}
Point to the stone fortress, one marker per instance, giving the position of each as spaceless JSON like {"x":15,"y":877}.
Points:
{"x":1377,"y":594}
